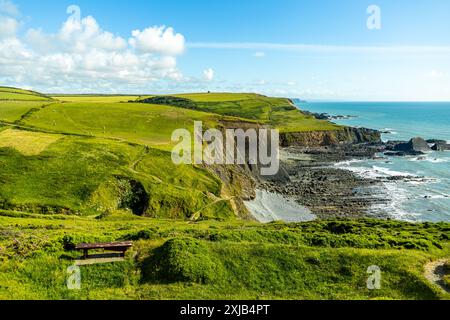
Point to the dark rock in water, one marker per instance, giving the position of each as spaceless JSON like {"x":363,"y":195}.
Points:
{"x":414,"y":145}
{"x":441,"y":145}
{"x":390,"y":145}
{"x":434,"y":141}
{"x":402,"y":153}
{"x":326,"y":116}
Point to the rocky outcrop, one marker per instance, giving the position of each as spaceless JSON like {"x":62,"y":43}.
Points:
{"x":414,"y":145}
{"x":326,"y":116}
{"x":346,"y":135}
{"x":441,"y":146}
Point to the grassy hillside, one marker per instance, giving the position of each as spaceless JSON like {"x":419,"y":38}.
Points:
{"x":16,"y":94}
{"x":16,"y":102}
{"x":145,"y":124}
{"x":95,"y":98}
{"x":51,"y":174}
{"x":13,"y":110}
{"x":277,"y":112}
{"x":89,"y":157}
{"x":220,"y":260}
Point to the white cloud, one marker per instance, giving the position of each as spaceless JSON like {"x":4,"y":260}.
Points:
{"x":435,"y":74}
{"x":259,"y":54}
{"x":8,"y":7}
{"x":208,"y":74}
{"x":82,"y":57}
{"x":158,"y":40}
{"x":8,"y":27}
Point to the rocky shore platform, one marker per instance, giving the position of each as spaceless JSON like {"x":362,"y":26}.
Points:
{"x":309,"y":175}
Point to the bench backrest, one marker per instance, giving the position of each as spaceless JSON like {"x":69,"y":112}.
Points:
{"x":104,"y":245}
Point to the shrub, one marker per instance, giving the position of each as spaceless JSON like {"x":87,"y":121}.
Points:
{"x":146,"y":234}
{"x":182,"y":259}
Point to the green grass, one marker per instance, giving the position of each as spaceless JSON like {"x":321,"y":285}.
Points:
{"x":82,"y":176}
{"x":16,"y":96}
{"x":217,"y":97}
{"x":277,"y":112}
{"x":145,"y":124}
{"x":180,"y":260}
{"x":21,"y":91}
{"x":11,"y":111}
{"x":95,"y":98}
{"x":26,"y":142}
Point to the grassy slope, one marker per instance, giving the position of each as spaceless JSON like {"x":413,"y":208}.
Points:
{"x":78,"y":176}
{"x":140,"y":123}
{"x":11,"y":111}
{"x":278,"y":112}
{"x":95,"y":98}
{"x":16,"y":94}
{"x":16,"y":102}
{"x":75,"y":172}
{"x":220,"y":260}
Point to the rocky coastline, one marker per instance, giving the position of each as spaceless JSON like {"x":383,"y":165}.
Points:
{"x":309,"y":175}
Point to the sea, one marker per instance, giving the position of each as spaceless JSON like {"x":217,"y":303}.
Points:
{"x":425,"y":195}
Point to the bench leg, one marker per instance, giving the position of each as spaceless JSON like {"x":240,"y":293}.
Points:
{"x":85,"y":254}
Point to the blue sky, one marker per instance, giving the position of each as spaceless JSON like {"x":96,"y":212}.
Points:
{"x":309,"y":49}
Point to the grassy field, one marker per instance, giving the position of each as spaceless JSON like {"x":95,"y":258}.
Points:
{"x":16,"y":102}
{"x":27,"y":143}
{"x":277,"y":112}
{"x":17,"y":95}
{"x":22,"y":93}
{"x":11,"y":111}
{"x":95,"y":98}
{"x":220,"y":260}
{"x":145,"y":124}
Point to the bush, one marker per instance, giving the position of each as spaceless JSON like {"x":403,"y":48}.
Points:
{"x":171,"y":101}
{"x":182,"y":259}
{"x":145,"y":234}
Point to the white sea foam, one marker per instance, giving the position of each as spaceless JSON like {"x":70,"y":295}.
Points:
{"x":397,"y":193}
{"x":437,"y":196}
{"x":430,"y":159}
{"x":371,"y":172}
{"x":397,"y":196}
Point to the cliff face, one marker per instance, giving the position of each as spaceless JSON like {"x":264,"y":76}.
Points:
{"x":346,"y":135}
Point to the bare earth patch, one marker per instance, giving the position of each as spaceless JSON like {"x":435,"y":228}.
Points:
{"x":434,"y":272}
{"x":27,"y":143}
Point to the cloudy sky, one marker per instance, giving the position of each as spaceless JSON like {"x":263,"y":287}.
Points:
{"x":309,"y":49}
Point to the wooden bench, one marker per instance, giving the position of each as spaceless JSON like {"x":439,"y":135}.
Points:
{"x":121,"y":247}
